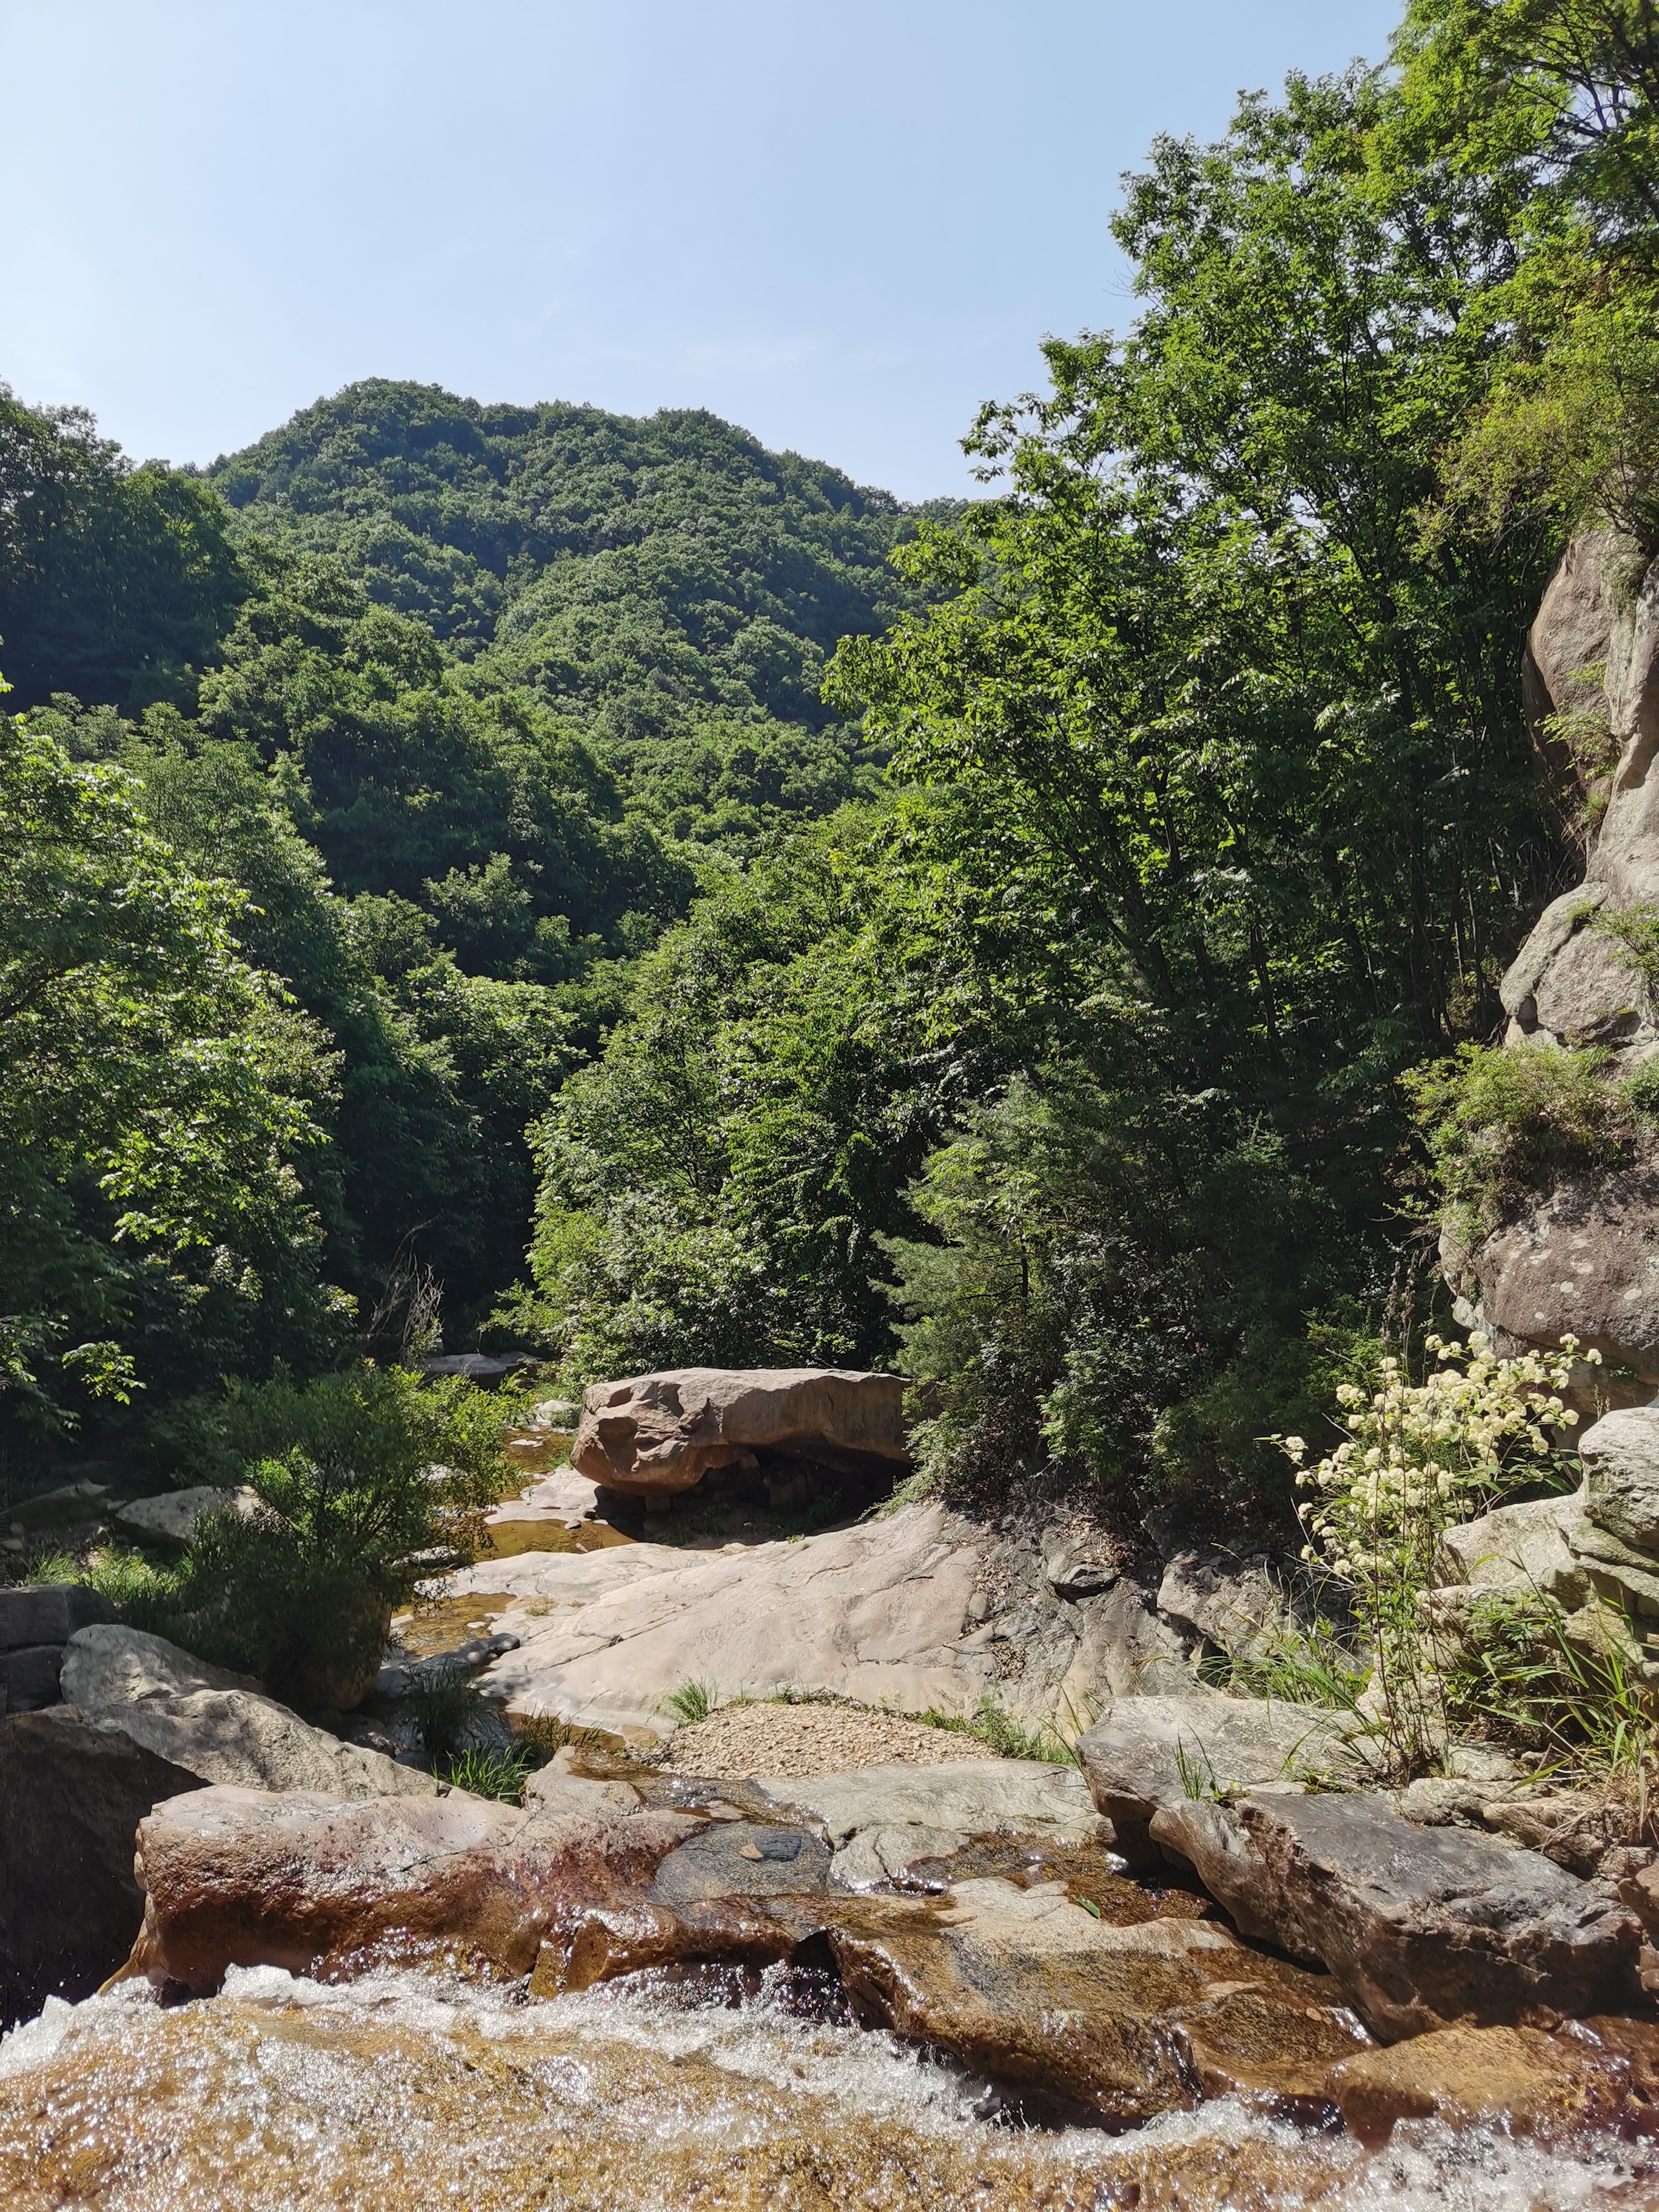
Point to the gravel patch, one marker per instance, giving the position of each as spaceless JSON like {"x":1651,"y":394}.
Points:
{"x":802,"y":1740}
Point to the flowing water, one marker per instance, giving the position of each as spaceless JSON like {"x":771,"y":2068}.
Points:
{"x":397,"y":2092}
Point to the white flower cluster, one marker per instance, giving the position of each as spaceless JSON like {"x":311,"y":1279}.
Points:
{"x":1422,"y":1457}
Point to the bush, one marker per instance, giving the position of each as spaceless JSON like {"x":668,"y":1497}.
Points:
{"x":362,"y":1477}
{"x":1499,"y":1122}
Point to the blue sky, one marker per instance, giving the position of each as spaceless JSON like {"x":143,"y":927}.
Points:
{"x":840,"y":224}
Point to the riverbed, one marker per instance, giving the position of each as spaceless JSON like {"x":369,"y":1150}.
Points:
{"x":399,"y":2092}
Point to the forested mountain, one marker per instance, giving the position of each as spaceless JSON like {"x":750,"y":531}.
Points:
{"x":997,"y":939}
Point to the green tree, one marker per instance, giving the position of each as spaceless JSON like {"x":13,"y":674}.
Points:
{"x":160,"y":1092}
{"x":116,"y":583}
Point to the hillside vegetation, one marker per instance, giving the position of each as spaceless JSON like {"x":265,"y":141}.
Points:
{"x":985,"y":939}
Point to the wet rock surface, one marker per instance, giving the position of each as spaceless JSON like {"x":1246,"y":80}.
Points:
{"x":1529,"y":2082}
{"x":244,"y":1877}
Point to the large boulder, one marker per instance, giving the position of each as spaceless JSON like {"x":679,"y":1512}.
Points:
{"x":314,"y":1884}
{"x":35,"y":1623}
{"x":1422,"y":1927}
{"x":1241,"y":1605}
{"x":173,"y":1517}
{"x":1521,"y":1549}
{"x":216,"y":1726}
{"x":653,"y":1435}
{"x":72,"y":1793}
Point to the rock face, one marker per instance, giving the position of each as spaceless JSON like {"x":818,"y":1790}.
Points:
{"x":243,"y":1877}
{"x":72,"y":1794}
{"x":1585,"y":1257}
{"x":34,"y":1626}
{"x":1422,"y":1927}
{"x":655,"y":1434}
{"x":1621,"y":1476}
{"x":216,"y":1726}
{"x":890,"y":1612}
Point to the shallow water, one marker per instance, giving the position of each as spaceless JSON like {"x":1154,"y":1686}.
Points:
{"x":398,"y":2091}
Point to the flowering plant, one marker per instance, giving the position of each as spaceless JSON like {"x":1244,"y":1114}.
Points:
{"x":1419,"y":1458}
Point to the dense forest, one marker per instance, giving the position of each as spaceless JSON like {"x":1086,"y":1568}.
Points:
{"x":674,"y":905}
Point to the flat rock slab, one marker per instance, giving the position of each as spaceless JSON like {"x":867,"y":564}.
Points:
{"x":314,"y":1884}
{"x":173,"y":1516}
{"x":880,"y":1820}
{"x":652,"y":1435}
{"x":874,"y":1613}
{"x":217,"y":1726}
{"x":1424,"y":1928}
{"x":50,"y":1613}
{"x":71,"y":1797}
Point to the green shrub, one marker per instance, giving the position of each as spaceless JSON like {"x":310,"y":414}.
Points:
{"x":1498,"y":1122}
{"x":445,"y":1705}
{"x":362,"y":1477}
{"x":500,"y":1774}
{"x":692,"y":1701}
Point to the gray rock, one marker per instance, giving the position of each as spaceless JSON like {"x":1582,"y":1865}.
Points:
{"x":652,"y":1435}
{"x":75,"y":1502}
{"x":172,"y":1516}
{"x":738,"y":1858}
{"x":1071,"y":1576}
{"x":561,"y":1413}
{"x":1238,"y":1604}
{"x":1424,"y":1928}
{"x":1620,"y":1454}
{"x":217,"y":1726}
{"x":879,"y":1820}
{"x":1146,"y":1754}
{"x":50,"y":1613}
{"x":477,"y":1366}
{"x":72,"y":1794}
{"x":29,"y":1677}
{"x":552,"y":1789}
{"x":1517,"y":1547}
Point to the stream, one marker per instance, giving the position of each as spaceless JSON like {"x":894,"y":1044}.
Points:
{"x":397,"y":2092}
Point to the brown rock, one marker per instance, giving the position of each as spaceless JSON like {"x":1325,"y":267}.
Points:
{"x":71,"y":1797}
{"x":1089,"y":2019}
{"x":243,"y":1877}
{"x":1528,"y":2082}
{"x":1422,"y":1927}
{"x":654,"y":1434}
